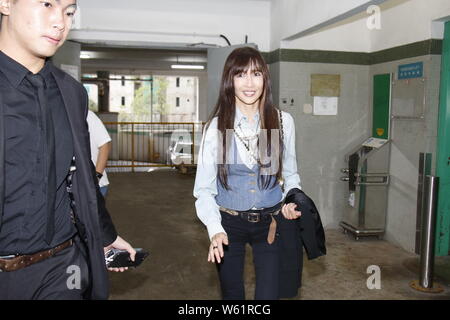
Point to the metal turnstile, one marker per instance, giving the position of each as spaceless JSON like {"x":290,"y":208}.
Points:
{"x":368,"y":180}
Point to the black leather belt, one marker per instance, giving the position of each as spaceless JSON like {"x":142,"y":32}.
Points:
{"x":254,"y":215}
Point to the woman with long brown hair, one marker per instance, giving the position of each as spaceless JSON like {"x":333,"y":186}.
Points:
{"x":246,"y":166}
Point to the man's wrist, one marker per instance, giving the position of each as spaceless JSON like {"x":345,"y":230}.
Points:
{"x":99,"y":175}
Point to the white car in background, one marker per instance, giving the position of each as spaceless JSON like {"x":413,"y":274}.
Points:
{"x":180,"y":149}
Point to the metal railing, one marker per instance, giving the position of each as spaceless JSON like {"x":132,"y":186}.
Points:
{"x":141,"y":145}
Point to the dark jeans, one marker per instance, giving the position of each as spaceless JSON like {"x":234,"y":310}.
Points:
{"x":265,"y":259}
{"x":64,"y":276}
{"x":104,"y":191}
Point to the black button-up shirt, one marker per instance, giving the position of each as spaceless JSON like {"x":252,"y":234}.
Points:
{"x":24,"y":217}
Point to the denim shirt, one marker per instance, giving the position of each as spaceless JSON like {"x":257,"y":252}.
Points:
{"x":242,"y":174}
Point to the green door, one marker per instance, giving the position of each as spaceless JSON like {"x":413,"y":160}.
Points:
{"x":443,"y":152}
{"x":381,"y":106}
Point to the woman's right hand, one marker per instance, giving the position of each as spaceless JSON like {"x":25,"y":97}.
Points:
{"x":216,"y":247}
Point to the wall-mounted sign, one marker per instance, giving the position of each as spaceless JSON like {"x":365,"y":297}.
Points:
{"x":325,"y":85}
{"x":325,"y":106}
{"x":410,"y":71}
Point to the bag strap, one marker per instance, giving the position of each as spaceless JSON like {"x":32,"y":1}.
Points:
{"x":73,"y":212}
{"x":280,"y":118}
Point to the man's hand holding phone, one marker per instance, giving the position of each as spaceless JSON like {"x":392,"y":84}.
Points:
{"x":121,"y":244}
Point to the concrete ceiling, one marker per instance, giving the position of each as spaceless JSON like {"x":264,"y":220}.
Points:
{"x":137,"y":61}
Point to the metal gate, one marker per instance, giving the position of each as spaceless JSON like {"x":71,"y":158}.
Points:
{"x":142,"y":145}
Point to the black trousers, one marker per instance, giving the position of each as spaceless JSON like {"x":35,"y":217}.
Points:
{"x":265,"y":259}
{"x":64,"y":276}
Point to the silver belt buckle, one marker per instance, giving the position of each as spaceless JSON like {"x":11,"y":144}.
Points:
{"x":253,"y":217}
{"x":11,"y":256}
{"x":6,"y":258}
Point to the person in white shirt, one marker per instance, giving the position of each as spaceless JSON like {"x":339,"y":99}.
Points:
{"x":100,"y":148}
{"x":239,"y":196}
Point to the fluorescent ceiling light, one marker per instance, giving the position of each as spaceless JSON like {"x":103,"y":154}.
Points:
{"x":187,"y":66}
{"x":84,"y":55}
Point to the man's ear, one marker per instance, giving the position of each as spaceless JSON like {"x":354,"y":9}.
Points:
{"x":4,"y":7}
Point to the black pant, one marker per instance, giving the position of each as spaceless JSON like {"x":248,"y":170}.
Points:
{"x":64,"y":276}
{"x":265,"y":259}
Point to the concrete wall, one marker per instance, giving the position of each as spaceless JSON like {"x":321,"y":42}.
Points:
{"x":409,"y":138}
{"x":291,"y":17}
{"x":401,"y":22}
{"x":69,"y":54}
{"x":351,"y":35}
{"x":408,"y":21}
{"x":323,"y":141}
{"x":274,"y":70}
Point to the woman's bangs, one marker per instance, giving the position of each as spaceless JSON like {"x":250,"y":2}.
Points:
{"x":243,"y":65}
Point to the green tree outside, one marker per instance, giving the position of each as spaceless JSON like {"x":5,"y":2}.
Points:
{"x":141,"y":106}
{"x":160,"y":85}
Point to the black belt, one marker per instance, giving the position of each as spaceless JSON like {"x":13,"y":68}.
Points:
{"x":254,"y":215}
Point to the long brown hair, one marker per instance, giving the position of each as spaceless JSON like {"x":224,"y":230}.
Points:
{"x":238,"y":62}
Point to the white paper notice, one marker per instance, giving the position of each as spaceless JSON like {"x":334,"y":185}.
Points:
{"x":351,"y":199}
{"x":325,"y":106}
{"x":375,"y":142}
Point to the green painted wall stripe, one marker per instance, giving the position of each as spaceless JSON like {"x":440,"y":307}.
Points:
{"x":317,"y":56}
{"x":417,"y":49}
{"x":411,"y":50}
{"x":443,"y":153}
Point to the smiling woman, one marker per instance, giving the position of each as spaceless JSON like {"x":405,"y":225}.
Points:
{"x":238,"y":188}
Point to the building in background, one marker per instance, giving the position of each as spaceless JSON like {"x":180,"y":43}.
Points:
{"x":150,"y":98}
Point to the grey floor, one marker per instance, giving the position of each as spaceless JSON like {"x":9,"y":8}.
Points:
{"x":156,"y":211}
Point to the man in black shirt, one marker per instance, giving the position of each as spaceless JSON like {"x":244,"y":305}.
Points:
{"x":52,"y":241}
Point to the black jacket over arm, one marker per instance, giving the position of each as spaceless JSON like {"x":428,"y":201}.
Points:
{"x":294,"y":235}
{"x":90,"y":204}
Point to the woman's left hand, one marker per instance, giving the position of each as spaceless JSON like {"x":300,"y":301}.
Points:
{"x":289,"y":212}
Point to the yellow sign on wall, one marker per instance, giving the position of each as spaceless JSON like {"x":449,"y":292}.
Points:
{"x":325,"y":85}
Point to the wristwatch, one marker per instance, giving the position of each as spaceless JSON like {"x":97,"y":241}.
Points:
{"x":99,"y":175}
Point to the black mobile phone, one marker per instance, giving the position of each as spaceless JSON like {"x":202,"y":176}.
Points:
{"x":116,"y":258}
